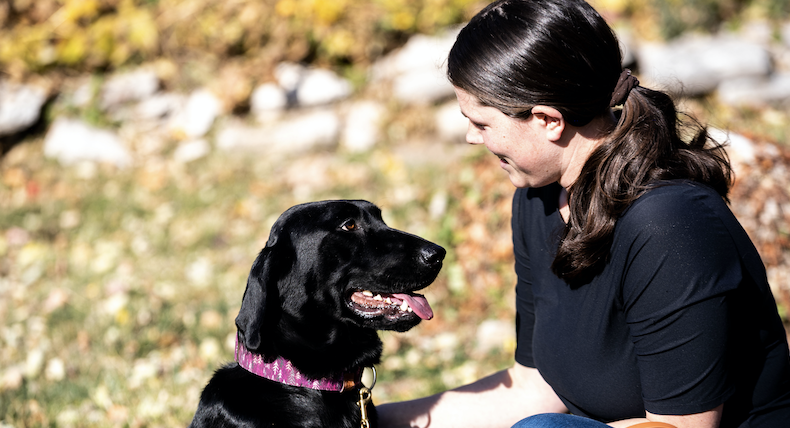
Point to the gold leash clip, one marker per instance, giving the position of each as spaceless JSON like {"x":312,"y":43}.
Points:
{"x":364,"y":399}
{"x":365,"y":395}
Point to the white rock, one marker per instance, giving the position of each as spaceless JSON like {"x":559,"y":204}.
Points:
{"x":268,"y":101}
{"x":20,"y":106}
{"x":159,"y":106}
{"x":362,"y":126}
{"x":450,"y":123}
{"x":627,"y":45}
{"x":189,"y":151}
{"x":128,"y":87}
{"x":418,"y":70}
{"x":420,"y":52}
{"x":785,"y":33}
{"x":319,"y":86}
{"x":695,"y":65}
{"x":756,"y":92}
{"x":739,"y":148}
{"x":198,"y":115}
{"x":422,"y":87}
{"x":71,"y":141}
{"x":297,"y":135}
{"x":289,"y":75}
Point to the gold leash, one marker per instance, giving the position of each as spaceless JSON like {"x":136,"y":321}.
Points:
{"x":365,"y":396}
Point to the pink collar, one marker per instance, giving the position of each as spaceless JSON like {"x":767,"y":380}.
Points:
{"x":283,"y":371}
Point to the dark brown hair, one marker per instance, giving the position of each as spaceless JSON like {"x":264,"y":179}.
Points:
{"x":515,"y":54}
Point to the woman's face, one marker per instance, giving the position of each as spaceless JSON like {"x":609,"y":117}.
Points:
{"x":524,"y":151}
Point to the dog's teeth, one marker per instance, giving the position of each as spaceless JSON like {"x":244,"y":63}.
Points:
{"x":367,"y":293}
{"x":377,"y":297}
{"x":410,"y":310}
{"x":388,"y":300}
{"x":404,"y":306}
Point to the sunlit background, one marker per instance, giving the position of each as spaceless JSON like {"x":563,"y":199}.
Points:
{"x":122,"y":267}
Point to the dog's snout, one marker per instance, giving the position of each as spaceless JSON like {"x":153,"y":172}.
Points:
{"x":432,"y":254}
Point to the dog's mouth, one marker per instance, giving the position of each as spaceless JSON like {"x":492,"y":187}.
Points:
{"x":370,"y":304}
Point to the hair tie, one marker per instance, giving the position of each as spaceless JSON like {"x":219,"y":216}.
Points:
{"x":625,"y":84}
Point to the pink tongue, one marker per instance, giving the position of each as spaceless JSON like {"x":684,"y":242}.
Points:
{"x":419,"y":304}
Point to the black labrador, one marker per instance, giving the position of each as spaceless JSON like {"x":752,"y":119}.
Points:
{"x":330,"y":275}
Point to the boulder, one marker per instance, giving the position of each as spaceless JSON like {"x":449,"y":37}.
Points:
{"x":362,"y":127}
{"x":298,"y":134}
{"x":20,"y":106}
{"x":697,"y":65}
{"x":71,"y":141}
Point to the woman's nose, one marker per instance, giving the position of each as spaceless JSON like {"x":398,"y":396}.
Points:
{"x":473,"y":135}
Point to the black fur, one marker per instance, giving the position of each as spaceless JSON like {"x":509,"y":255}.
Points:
{"x":297,"y":305}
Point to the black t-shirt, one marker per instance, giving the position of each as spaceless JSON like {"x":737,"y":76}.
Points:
{"x":679,"y":321}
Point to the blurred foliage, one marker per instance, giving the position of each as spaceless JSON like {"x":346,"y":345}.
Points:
{"x":665,"y":19}
{"x":89,"y":35}
{"x":94,"y":35}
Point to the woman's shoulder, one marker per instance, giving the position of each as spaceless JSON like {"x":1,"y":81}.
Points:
{"x":679,"y":197}
{"x":677,"y":206}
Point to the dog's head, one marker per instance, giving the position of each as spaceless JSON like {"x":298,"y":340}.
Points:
{"x":332,"y":268}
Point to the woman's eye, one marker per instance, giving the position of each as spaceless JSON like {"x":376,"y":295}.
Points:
{"x":479,"y":126}
{"x":349,"y":226}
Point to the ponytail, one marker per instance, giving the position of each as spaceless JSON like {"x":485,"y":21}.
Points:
{"x":644,"y":150}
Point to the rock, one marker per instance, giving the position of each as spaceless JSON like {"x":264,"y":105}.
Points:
{"x":289,"y":75}
{"x":320,"y":86}
{"x":422,"y":87}
{"x":696,"y":65}
{"x":71,"y":141}
{"x":450,"y":123}
{"x":362,"y":127}
{"x":268,"y":101}
{"x":739,"y":148}
{"x":20,"y":106}
{"x":418,"y":70}
{"x":785,"y":33}
{"x":627,"y":46}
{"x":158,"y":106}
{"x":756,"y":92}
{"x":128,"y":87}
{"x":197,"y":115}
{"x":189,"y":151}
{"x":299,"y":134}
{"x":309,"y":87}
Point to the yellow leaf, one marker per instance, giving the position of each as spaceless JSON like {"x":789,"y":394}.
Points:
{"x":72,"y":49}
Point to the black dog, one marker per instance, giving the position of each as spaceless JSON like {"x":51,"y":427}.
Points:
{"x":330,"y":275}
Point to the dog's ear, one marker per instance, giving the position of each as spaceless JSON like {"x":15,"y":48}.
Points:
{"x":261,"y":297}
{"x":253,"y":311}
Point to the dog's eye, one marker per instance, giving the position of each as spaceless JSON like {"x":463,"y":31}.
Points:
{"x":350,"y":226}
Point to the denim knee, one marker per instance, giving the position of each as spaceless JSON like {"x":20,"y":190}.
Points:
{"x":558,"y":420}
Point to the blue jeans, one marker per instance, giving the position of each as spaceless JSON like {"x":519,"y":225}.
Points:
{"x":558,"y":420}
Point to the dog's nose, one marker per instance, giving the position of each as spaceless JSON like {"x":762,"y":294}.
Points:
{"x":432,"y":254}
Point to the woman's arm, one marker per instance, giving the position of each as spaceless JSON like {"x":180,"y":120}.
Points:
{"x":499,"y":400}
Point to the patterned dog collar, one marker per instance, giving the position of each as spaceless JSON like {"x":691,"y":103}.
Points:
{"x":283,"y":371}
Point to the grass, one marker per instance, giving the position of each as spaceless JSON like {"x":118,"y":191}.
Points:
{"x":118,"y":288}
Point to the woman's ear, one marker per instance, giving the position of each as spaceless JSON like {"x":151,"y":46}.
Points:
{"x":551,"y":119}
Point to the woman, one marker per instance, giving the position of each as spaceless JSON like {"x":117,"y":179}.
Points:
{"x":640,"y":298}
